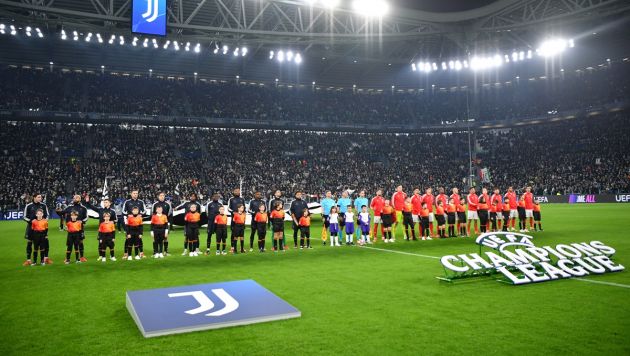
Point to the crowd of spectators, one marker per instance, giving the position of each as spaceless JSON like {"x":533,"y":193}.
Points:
{"x":586,"y":155}
{"x":95,"y":92}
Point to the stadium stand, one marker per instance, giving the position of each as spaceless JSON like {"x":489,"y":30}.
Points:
{"x":39,"y":90}
{"x":586,"y":155}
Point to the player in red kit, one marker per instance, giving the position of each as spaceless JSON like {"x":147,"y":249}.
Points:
{"x":441,"y":197}
{"x":376,"y":205}
{"x":511,"y":200}
{"x":472,"y":201}
{"x":497,"y":201}
{"x":528,"y":197}
{"x":398,"y":202}
{"x":427,"y":198}
{"x":416,"y":206}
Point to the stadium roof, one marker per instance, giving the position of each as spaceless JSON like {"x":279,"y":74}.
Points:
{"x":337,"y":45}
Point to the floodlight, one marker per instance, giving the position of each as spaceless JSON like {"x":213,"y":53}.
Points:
{"x":371,"y":8}
{"x":331,"y":4}
{"x":552,"y":47}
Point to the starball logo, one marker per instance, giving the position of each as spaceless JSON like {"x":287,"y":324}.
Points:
{"x":516,"y":257}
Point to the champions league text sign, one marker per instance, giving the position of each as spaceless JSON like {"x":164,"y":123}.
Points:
{"x":521,"y":262}
{"x":205,"y":306}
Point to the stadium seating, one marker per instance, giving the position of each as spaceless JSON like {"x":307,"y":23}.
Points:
{"x":31,"y":89}
{"x":587,"y":155}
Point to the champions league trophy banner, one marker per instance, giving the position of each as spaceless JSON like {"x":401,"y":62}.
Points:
{"x":517,"y":260}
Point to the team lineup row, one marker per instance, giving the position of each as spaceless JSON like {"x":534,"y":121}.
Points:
{"x":452,"y":215}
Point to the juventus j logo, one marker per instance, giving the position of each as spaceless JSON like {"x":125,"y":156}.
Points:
{"x":152,"y":11}
{"x":205,"y":304}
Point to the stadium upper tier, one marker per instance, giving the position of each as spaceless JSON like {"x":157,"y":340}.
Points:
{"x":156,"y":94}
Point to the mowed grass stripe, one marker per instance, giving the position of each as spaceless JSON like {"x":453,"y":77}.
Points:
{"x":353,"y":300}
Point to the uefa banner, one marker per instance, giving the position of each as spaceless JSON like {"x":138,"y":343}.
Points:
{"x":583,"y":198}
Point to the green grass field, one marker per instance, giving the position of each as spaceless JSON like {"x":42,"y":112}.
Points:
{"x":353,"y":300}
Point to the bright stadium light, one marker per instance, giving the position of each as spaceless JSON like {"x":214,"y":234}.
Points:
{"x":451,"y":65}
{"x":497,"y":61}
{"x":529,"y":54}
{"x":507,"y":58}
{"x":552,"y":47}
{"x":75,"y":35}
{"x":88,"y":38}
{"x":271,"y":53}
{"x":155,"y":44}
{"x":331,"y":4}
{"x":444,"y":66}
{"x":63,"y":35}
{"x":111,"y":39}
{"x":134,"y":42}
{"x":145,"y":43}
{"x":458,"y":65}
{"x":521,"y":56}
{"x":298,"y":58}
{"x":243,"y":51}
{"x":176,"y":45}
{"x":235,"y":53}
{"x":13,"y":30}
{"x":121,"y":40}
{"x":514,"y":56}
{"x":280,"y":56}
{"x":571,"y":43}
{"x":166,"y":44}
{"x":413,"y":67}
{"x":225,"y":49}
{"x":2,"y":27}
{"x":371,"y":8}
{"x":187,"y":47}
{"x":99,"y":38}
{"x":289,"y":55}
{"x":215,"y":51}
{"x":28,"y":31}
{"x":465,"y":64}
{"x":434,"y":66}
{"x":197,"y":47}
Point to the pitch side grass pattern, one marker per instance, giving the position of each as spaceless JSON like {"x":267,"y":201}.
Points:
{"x":354,"y":301}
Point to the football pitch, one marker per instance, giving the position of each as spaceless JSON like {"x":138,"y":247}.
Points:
{"x":380,"y":300}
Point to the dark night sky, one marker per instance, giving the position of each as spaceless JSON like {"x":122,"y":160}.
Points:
{"x":441,"y":5}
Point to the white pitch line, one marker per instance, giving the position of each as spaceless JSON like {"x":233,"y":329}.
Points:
{"x":400,"y":252}
{"x":437,"y":258}
{"x":602,"y":282}
{"x":392,"y":251}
